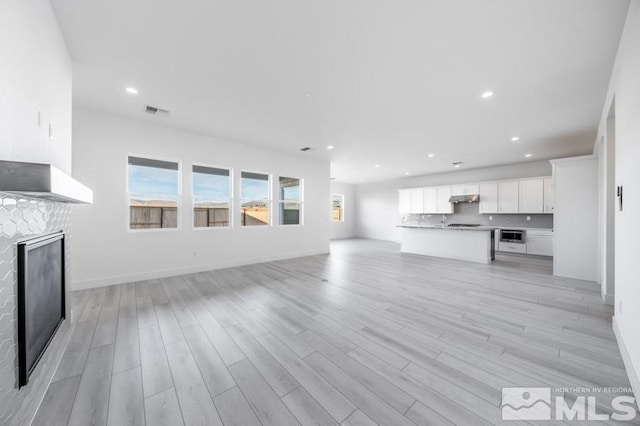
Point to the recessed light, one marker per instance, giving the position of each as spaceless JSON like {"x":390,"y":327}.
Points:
{"x":431,"y":155}
{"x":131,"y":90}
{"x":515,"y":139}
{"x":377,"y":166}
{"x":330,"y":147}
{"x":486,"y":94}
{"x":361,"y":179}
{"x":457,"y":164}
{"x":527,"y":155}
{"x":407,"y":173}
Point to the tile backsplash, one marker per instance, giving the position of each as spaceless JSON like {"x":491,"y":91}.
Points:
{"x":21,"y":218}
{"x":469,"y":213}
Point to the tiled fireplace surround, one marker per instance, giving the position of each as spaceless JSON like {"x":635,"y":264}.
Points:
{"x":22,"y":218}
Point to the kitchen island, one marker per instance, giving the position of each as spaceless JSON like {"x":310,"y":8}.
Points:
{"x":469,"y":243}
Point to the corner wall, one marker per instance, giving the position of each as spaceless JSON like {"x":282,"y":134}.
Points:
{"x":625,"y":88}
{"x":35,"y":76}
{"x":106,"y":252}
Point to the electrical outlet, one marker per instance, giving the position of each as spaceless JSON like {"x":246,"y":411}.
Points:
{"x":490,"y":217}
{"x":195,"y":254}
{"x":528,"y":218}
{"x":39,"y":119}
{"x":50,"y":131}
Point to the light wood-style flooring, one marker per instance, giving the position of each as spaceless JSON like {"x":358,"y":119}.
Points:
{"x":363,"y":336}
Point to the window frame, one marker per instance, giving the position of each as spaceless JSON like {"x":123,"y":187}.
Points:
{"x":179,"y":203}
{"x":231,"y":198}
{"x":341,"y":208}
{"x":269,"y":202}
{"x":300,"y":203}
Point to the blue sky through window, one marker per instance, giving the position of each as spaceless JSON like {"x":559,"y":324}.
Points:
{"x":151,"y":180}
{"x":210,"y":186}
{"x":254,"y":189}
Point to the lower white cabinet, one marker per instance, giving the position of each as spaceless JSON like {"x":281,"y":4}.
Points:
{"x":540,"y":243}
{"x":512,"y":247}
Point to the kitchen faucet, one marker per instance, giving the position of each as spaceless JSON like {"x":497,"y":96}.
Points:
{"x":443,"y":220}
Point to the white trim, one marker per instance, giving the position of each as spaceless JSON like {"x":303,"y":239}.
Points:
{"x":608,"y":299}
{"x":573,"y":159}
{"x":231,"y":199}
{"x":150,"y":275}
{"x":128,"y":198}
{"x":626,"y":358}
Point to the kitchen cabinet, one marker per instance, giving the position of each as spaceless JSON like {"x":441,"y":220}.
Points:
{"x":404,"y":201}
{"x":508,"y":196}
{"x":531,"y":196}
{"x":467,"y":189}
{"x":540,"y":243}
{"x":512,"y":247}
{"x":488,"y":198}
{"x":430,"y":200}
{"x":443,"y":206}
{"x":549,"y":196}
{"x":416,"y":196}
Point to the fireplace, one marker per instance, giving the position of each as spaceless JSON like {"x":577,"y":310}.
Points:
{"x":41,"y":298}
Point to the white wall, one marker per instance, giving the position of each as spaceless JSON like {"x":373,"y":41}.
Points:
{"x":105,"y":252}
{"x":625,"y":88}
{"x":35,"y":75}
{"x":377,"y":203}
{"x":575,"y":241}
{"x":346,"y":228}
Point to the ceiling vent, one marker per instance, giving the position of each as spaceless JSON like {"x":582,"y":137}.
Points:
{"x":156,"y":111}
{"x":305,"y":149}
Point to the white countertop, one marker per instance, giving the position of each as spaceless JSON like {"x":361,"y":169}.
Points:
{"x":524,"y":228}
{"x":450,"y":228}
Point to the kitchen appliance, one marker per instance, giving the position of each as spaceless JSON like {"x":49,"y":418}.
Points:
{"x":469,"y":198}
{"x":513,"y":236}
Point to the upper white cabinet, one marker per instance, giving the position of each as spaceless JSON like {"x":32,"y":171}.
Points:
{"x":488,"y":197}
{"x":531,"y":196}
{"x":430,"y":200}
{"x":443,"y":206}
{"x":416,"y":200}
{"x":549,"y":196}
{"x":404,"y":201}
{"x":467,"y":189}
{"x":508,"y":196}
{"x":524,"y":196}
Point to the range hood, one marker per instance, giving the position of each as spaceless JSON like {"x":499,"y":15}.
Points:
{"x":469,"y":198}
{"x":42,"y":181}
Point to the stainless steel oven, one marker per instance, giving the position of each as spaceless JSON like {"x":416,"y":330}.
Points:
{"x":513,"y":236}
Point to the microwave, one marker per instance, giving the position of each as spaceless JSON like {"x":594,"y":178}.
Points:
{"x":513,"y":236}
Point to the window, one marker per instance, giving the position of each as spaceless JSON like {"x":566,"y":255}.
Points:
{"x":211,"y":196}
{"x":337,"y":207}
{"x":255,"y":190}
{"x":154,"y":193}
{"x":290,"y":201}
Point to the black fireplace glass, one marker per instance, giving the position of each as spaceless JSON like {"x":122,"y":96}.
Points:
{"x":40,"y":298}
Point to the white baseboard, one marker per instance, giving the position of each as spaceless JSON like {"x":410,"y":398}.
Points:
{"x":608,"y":299}
{"x":164,"y":273}
{"x":626,"y":358}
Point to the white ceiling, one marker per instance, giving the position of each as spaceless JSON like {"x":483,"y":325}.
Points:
{"x":385,"y":82}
